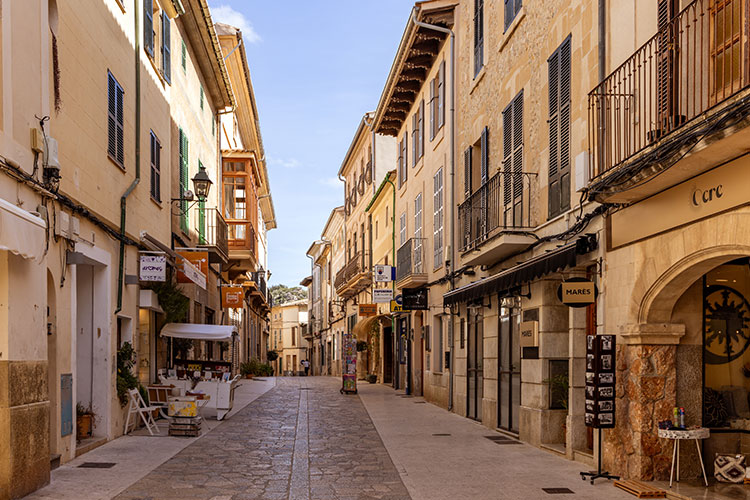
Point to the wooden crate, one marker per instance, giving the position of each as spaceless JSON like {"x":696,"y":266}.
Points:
{"x":639,"y":489}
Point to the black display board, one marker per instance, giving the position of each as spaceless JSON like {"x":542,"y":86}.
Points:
{"x":600,"y":381}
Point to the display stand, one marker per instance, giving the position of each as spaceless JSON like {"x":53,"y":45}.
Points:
{"x":349,"y":372}
{"x":600,"y":393}
{"x":598,"y":473}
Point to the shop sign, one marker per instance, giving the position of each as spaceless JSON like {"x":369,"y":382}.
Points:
{"x":397,"y":304}
{"x":384,"y":274}
{"x":153,"y":267}
{"x":415,"y":299}
{"x":194,"y":268}
{"x":382,"y":295}
{"x":368,"y":310}
{"x":529,"y":334}
{"x":715,"y":191}
{"x":231,"y":297}
{"x":577,"y":292}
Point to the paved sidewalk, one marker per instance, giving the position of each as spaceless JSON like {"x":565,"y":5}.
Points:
{"x":135,"y":455}
{"x":465,"y":464}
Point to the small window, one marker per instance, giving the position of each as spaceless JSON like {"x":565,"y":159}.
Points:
{"x":155,"y":168}
{"x":512,"y":7}
{"x":115,"y":142}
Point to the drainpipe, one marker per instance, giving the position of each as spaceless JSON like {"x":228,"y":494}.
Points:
{"x":602,"y":38}
{"x":124,"y":197}
{"x":452,"y":183}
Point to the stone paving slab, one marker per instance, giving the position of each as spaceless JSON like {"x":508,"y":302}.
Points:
{"x":300,"y":440}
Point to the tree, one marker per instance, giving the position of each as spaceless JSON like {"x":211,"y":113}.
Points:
{"x":282,"y":294}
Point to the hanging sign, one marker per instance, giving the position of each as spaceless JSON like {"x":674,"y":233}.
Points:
{"x":577,"y":292}
{"x":382,"y":295}
{"x":384,"y":274}
{"x":194,"y":268}
{"x":396,"y":304}
{"x":368,"y":310}
{"x":415,"y":299}
{"x":600,"y":381}
{"x":231,"y":297}
{"x":529,"y":334}
{"x":153,"y":267}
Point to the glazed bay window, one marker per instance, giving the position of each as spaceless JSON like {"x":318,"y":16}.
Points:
{"x":239,"y":200}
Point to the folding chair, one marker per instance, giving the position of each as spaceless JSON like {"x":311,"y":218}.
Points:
{"x":138,"y":405}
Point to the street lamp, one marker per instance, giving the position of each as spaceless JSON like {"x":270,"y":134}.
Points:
{"x":202,"y":185}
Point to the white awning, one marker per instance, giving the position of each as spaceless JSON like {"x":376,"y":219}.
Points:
{"x":197,"y":331}
{"x":21,"y":232}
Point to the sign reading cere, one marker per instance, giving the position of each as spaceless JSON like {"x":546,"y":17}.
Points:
{"x":382,"y":295}
{"x":153,"y":267}
{"x":577,"y":292}
{"x":194,"y":268}
{"x":231,"y":297}
{"x":529,"y":334}
{"x":414,"y":299}
{"x":384,"y":274}
{"x":397,"y":304}
{"x":368,"y":310}
{"x":600,"y":381}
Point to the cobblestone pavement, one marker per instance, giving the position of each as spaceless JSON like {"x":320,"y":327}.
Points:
{"x":300,"y":440}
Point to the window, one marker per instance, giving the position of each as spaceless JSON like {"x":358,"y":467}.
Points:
{"x":184,"y":57}
{"x":238,"y":199}
{"x":437,"y":345}
{"x":513,"y":161}
{"x":402,"y":229}
{"x":437,"y":218}
{"x":155,"y":168}
{"x":148,"y":26}
{"x":467,"y":172}
{"x":402,"y":160}
{"x":184,"y":174}
{"x":441,"y":96}
{"x":414,"y":139}
{"x":433,"y":107}
{"x":166,"y":51}
{"x":511,"y":11}
{"x":115,"y":141}
{"x":294,"y":335}
{"x":420,"y":123}
{"x":559,"y":130}
{"x":417,"y":248}
{"x":479,"y":35}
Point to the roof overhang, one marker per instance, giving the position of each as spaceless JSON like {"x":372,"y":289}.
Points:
{"x":197,"y":331}
{"x":305,"y":282}
{"x":416,"y":54}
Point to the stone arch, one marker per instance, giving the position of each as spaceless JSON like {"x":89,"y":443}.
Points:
{"x":659,"y":300}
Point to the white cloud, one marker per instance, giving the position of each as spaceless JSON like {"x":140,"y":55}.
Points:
{"x":333,"y":182}
{"x":227,"y":15}
{"x":282,"y":162}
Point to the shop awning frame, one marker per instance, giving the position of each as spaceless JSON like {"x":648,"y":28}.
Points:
{"x":536,"y":267}
{"x":23,"y":233}
{"x":198,"y":331}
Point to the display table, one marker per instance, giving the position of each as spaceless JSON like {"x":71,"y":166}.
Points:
{"x":221,"y":394}
{"x":678,"y":435}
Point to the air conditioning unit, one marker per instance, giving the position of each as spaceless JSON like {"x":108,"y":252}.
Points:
{"x":66,"y":225}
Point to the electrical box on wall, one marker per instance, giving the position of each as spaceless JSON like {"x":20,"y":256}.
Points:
{"x":67,"y":225}
{"x":582,"y":171}
{"x":37,"y":140}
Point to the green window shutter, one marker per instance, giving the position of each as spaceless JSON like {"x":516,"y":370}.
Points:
{"x":148,"y":26}
{"x":184,"y":164}
{"x":184,"y":57}
{"x":201,"y":216}
{"x":166,"y":49}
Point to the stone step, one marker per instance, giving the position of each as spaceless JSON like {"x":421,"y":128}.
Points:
{"x":54,"y":461}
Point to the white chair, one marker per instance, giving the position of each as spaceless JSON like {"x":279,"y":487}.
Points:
{"x":138,"y":405}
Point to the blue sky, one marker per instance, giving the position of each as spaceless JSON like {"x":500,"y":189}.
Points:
{"x":317,"y":67}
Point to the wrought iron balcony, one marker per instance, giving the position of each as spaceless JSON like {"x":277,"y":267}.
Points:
{"x":500,"y":204}
{"x":696,"y":61}
{"x":354,"y":275}
{"x":411,"y":267}
{"x":212,"y":233}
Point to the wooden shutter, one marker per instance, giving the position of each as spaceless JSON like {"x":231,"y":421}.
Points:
{"x":400,"y":163}
{"x":155,"y":168}
{"x":406,"y":156}
{"x":433,"y":108}
{"x":665,"y":11}
{"x":559,"y":129}
{"x":518,"y":147}
{"x":414,"y":139}
{"x":148,"y":26}
{"x":478,"y":35}
{"x":467,"y":172}
{"x":166,"y":50}
{"x":184,"y":173}
{"x":441,"y":96}
{"x":420,"y":147}
{"x":507,"y":153}
{"x":485,"y":154}
{"x":115,"y":121}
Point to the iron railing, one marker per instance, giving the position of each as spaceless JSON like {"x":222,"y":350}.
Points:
{"x":410,"y":258}
{"x":696,"y":60}
{"x":212,"y":229}
{"x":500,"y":204}
{"x":359,"y":263}
{"x":259,"y":277}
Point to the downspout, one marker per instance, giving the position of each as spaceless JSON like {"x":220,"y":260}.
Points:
{"x":452,"y":183}
{"x":602,"y":39}
{"x":124,"y":197}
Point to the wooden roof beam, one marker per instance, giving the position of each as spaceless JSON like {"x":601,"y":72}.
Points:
{"x":404,"y":96}
{"x":430,"y":47}
{"x":394,"y":114}
{"x":411,"y":85}
{"x":420,"y":61}
{"x":414,"y":73}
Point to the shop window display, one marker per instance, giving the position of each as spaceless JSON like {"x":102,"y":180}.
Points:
{"x":726,"y":338}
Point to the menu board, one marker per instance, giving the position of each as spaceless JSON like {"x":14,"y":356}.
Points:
{"x":600,"y":381}
{"x":349,"y":375}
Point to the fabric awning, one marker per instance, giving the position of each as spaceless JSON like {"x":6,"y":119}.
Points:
{"x":21,"y":232}
{"x":197,"y":331}
{"x":536,"y":267}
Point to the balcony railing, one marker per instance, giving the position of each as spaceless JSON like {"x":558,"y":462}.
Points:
{"x":359,"y":263}
{"x":259,"y":277}
{"x":410,"y":258}
{"x":212,"y":230}
{"x":695,"y":61}
{"x":500,"y":204}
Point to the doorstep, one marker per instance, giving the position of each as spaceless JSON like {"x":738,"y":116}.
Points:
{"x":557,"y":448}
{"x":88,"y":444}
{"x":584,"y":456}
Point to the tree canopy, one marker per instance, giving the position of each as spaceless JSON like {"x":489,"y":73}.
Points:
{"x":282,"y":294}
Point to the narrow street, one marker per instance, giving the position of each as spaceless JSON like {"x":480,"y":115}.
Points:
{"x":302,"y":439}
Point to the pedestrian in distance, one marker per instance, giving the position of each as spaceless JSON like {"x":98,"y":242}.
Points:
{"x":306,"y":365}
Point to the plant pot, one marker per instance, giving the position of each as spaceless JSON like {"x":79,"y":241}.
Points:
{"x":84,"y":427}
{"x":249,"y":375}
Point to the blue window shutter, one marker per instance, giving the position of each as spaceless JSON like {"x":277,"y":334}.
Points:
{"x":148,"y":26}
{"x":166,"y":51}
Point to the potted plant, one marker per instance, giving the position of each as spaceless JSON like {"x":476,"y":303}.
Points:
{"x":85,"y":418}
{"x":361,"y":346}
{"x":246,"y":369}
{"x":372,"y":378}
